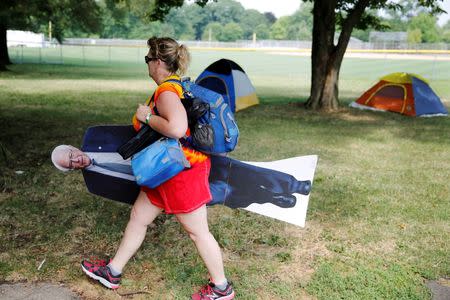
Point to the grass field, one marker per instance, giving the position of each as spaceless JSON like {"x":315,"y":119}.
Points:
{"x":270,"y":71}
{"x":377,"y":224}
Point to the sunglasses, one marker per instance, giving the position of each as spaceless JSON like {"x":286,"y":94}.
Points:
{"x":149,"y":59}
{"x":70,"y":159}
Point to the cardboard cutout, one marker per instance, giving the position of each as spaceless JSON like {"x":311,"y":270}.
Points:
{"x":278,"y":189}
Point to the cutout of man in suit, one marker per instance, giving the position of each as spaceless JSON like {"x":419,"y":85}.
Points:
{"x":232,"y":182}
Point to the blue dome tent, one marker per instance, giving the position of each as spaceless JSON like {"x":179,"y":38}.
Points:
{"x":230,"y":80}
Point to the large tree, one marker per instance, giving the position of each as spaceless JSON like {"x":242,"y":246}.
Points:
{"x":31,"y":15}
{"x":328,"y":52}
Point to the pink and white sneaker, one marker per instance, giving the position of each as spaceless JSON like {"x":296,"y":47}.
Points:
{"x":99,"y":271}
{"x":211,"y":292}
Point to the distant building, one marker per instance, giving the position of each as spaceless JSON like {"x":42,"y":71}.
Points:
{"x":355,"y":43}
{"x":24,"y":38}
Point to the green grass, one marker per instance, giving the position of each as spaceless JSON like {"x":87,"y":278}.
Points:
{"x":378,"y":218}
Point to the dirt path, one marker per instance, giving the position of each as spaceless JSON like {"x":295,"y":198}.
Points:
{"x":36,"y":291}
{"x":440,"y":289}
{"x":49,"y":291}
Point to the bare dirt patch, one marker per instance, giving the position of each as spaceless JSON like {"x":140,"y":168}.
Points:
{"x":355,"y":116}
{"x":310,"y":246}
{"x":440,"y":289}
{"x":48,"y":291}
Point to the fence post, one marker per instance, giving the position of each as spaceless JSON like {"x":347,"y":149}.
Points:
{"x":82,"y":53}
{"x":433,"y":69}
{"x":109,"y":54}
{"x":61,"y":54}
{"x":21,"y":54}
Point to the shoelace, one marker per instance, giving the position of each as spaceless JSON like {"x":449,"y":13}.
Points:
{"x":96,"y":264}
{"x":99,"y":262}
{"x":206,"y":290}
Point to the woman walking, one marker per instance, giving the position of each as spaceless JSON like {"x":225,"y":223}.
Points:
{"x":184,"y":195}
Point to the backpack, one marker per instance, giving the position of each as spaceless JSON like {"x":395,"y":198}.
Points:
{"x":211,"y":121}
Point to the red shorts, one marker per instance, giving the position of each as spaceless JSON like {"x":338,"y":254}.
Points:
{"x":185,"y":192}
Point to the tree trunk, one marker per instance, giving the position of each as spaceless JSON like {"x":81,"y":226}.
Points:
{"x":326,"y":58}
{"x":323,"y":77}
{"x":330,"y":90}
{"x":4,"y":57}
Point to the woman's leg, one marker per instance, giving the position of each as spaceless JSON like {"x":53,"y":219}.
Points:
{"x":142,"y":214}
{"x":196,"y":225}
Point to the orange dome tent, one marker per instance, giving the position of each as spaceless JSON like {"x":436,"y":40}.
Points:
{"x":404,"y":93}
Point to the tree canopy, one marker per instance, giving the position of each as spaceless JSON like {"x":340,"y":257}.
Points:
{"x":65,"y":15}
{"x":138,"y":19}
{"x":189,"y":21}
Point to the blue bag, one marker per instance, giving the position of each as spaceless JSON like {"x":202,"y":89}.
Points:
{"x":214,"y":130}
{"x":158,"y":162}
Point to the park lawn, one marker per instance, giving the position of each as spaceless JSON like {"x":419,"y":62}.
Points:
{"x":378,"y":217}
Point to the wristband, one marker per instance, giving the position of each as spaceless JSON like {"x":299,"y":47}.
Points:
{"x":147,"y":118}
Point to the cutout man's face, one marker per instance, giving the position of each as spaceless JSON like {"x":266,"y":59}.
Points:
{"x":75,"y":159}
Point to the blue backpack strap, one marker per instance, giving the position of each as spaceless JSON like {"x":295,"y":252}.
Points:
{"x":185,"y":83}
